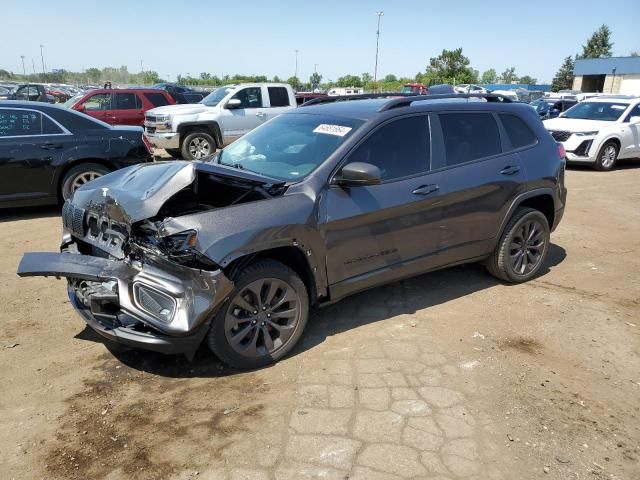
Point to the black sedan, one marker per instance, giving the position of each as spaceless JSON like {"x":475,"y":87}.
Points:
{"x":46,"y":152}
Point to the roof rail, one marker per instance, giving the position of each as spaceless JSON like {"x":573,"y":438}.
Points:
{"x":407,"y":101}
{"x":360,"y":96}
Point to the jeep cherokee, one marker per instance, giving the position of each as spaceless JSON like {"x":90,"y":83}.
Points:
{"x":317,"y":204}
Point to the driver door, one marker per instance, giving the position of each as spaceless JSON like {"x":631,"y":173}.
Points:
{"x":245,"y":117}
{"x":390,"y":227}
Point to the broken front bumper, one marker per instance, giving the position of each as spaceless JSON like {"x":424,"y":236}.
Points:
{"x":155,"y":304}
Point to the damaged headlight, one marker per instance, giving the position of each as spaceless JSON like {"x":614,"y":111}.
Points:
{"x":154,"y":302}
{"x":180,"y":248}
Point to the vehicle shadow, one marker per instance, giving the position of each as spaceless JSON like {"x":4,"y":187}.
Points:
{"x":381,"y":303}
{"x":626,"y":164}
{"x":28,"y":213}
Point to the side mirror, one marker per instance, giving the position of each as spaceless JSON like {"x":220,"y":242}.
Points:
{"x":233,"y":103}
{"x":357,"y":174}
{"x":81,"y":108}
{"x":561,"y":115}
{"x":634,"y":120}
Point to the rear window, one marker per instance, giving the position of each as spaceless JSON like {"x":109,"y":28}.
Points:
{"x":278,"y":96}
{"x":517,"y":130}
{"x":157,"y":99}
{"x":469,"y":136}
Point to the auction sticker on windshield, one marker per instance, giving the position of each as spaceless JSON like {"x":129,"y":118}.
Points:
{"x":337,"y":130}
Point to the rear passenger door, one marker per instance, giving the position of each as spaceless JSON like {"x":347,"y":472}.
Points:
{"x":99,"y":106}
{"x":279,"y":101}
{"x":387,"y":226}
{"x":127,"y":109}
{"x":482,"y":175}
{"x":244,"y":118}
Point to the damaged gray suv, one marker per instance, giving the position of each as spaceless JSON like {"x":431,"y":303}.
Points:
{"x":314,"y":205}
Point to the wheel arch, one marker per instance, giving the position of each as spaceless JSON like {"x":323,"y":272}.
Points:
{"x":540,"y":199}
{"x":212,"y":127}
{"x":291,"y":256}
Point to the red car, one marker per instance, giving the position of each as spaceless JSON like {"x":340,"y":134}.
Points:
{"x":120,"y":106}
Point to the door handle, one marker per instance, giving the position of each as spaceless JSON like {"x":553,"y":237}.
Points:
{"x":50,"y":146}
{"x":426,"y":189}
{"x":510,"y":170}
{"x":260,"y":114}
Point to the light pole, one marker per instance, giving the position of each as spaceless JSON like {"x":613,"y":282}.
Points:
{"x":296,"y":72}
{"x":23,"y":70}
{"x":375,"y":70}
{"x":42,"y":58}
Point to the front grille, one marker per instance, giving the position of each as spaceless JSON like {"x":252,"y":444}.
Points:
{"x":560,"y":135}
{"x":149,"y":129}
{"x":73,"y":218}
{"x":155,"y":118}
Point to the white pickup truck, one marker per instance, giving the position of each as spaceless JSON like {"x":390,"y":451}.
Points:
{"x":195,"y":131}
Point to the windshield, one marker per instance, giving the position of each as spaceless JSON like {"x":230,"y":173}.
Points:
{"x":69,"y":103}
{"x":406,"y":89}
{"x":289,"y":147}
{"x":541,"y":105}
{"x":214,"y":97}
{"x":596,"y":111}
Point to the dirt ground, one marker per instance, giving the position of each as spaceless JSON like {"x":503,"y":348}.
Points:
{"x":448,"y":375}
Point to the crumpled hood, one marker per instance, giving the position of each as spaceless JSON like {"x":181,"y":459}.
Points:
{"x":186,"y":109}
{"x":137,"y":192}
{"x":575,"y":124}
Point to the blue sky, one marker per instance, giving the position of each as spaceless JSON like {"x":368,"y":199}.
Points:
{"x":260,"y":37}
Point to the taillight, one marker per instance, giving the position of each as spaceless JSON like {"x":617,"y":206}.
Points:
{"x":147,"y":144}
{"x":561,"y":151}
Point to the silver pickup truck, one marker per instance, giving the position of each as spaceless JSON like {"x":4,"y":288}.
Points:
{"x":195,"y":131}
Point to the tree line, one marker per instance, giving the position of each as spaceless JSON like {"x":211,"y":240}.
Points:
{"x":451,"y":66}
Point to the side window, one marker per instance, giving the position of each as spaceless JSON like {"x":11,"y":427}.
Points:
{"x":399,"y":149}
{"x":19,"y":122}
{"x":125,"y":101}
{"x":49,"y":127}
{"x":635,"y":112}
{"x":99,"y":101}
{"x":278,"y":97}
{"x":22,"y":93}
{"x":469,"y":136}
{"x":250,"y":97}
{"x":518,"y":131}
{"x":157,"y":99}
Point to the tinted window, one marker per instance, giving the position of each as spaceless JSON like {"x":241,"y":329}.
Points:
{"x":399,"y":149}
{"x":19,"y":122}
{"x":519,"y":132}
{"x":279,"y":96}
{"x":249,"y":97}
{"x":125,"y":101}
{"x":100,"y":101}
{"x":48,"y":127}
{"x":469,"y":136}
{"x":635,"y":112}
{"x":157,"y":99}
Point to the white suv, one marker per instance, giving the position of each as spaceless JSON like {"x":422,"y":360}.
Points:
{"x":599,"y":131}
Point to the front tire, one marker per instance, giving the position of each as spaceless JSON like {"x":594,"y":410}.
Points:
{"x":198,"y":145}
{"x":79,"y":175}
{"x":607,"y":157}
{"x":263,"y":318}
{"x":523,"y":247}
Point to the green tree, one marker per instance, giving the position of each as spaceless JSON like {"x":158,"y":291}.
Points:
{"x":366,"y":78}
{"x":489,"y":76}
{"x":294,"y":82}
{"x":390,"y":78}
{"x":528,"y":80}
{"x":564,"y":77}
{"x":150,"y":77}
{"x":93,"y":74}
{"x":205,"y":76}
{"x":634,"y":53}
{"x":276,"y":79}
{"x":451,"y":66}
{"x":315,"y":79}
{"x":509,"y":75}
{"x":349,"y":81}
{"x":599,"y":44}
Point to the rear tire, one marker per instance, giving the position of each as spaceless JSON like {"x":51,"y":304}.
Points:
{"x":607,"y":157}
{"x":198,"y":145}
{"x":263,"y":318}
{"x":79,"y":175}
{"x":522,"y":248}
